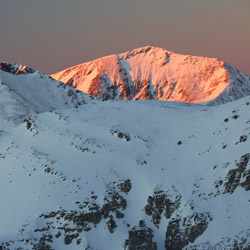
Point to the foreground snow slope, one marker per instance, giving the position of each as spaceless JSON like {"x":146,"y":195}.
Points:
{"x":24,"y":91}
{"x":139,"y":175}
{"x":155,"y":73}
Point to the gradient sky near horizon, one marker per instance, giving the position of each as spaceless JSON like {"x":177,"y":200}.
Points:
{"x":52,"y":35}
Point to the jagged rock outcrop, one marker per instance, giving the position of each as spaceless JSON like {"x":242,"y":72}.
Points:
{"x":15,"y":68}
{"x":140,"y":238}
{"x":182,"y":231}
{"x":236,"y":177}
{"x":235,"y":242}
{"x":162,"y":202}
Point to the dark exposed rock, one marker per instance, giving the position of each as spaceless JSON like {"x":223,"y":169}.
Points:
{"x":92,"y":217}
{"x":42,"y":246}
{"x":115,"y":202}
{"x":75,"y":221}
{"x":246,"y":183}
{"x":31,"y":125}
{"x":28,"y":123}
{"x":15,"y":68}
{"x":142,"y":223}
{"x":119,"y":215}
{"x":243,"y":162}
{"x":120,"y":135}
{"x":234,"y":176}
{"x":68,"y":225}
{"x":140,"y":238}
{"x":68,"y":238}
{"x":58,"y":234}
{"x":161,"y":202}
{"x":182,"y":231}
{"x":235,"y":117}
{"x":237,"y":242}
{"x":78,"y":242}
{"x":179,"y":142}
{"x":170,"y":207}
{"x":156,"y":217}
{"x":242,"y":138}
{"x":125,"y":186}
{"x":233,"y":180}
{"x":43,"y":243}
{"x":42,"y":229}
{"x":111,"y":224}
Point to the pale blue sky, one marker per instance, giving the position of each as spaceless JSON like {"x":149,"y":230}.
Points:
{"x":51,"y":35}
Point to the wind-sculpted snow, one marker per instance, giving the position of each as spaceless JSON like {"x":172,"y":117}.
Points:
{"x":158,"y":74}
{"x":127,"y":175}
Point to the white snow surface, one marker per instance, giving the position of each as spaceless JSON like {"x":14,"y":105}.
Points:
{"x":158,"y":74}
{"x":24,"y":94}
{"x":85,"y":156}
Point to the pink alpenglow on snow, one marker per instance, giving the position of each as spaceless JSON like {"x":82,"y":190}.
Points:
{"x":155,"y":73}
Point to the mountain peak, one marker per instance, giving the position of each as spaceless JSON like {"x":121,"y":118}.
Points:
{"x":155,"y":73}
{"x":143,"y":50}
{"x":24,"y":91}
{"x":15,"y":68}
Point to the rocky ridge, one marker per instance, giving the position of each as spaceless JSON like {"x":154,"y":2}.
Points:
{"x":24,"y":91}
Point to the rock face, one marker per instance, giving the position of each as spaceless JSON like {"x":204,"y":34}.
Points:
{"x":237,"y":177}
{"x":140,"y":238}
{"x":181,"y":232}
{"x":72,"y":224}
{"x":237,"y":242}
{"x":161,"y":202}
{"x":155,"y":73}
{"x":15,"y":69}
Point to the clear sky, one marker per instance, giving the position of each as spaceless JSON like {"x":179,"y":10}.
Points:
{"x":51,"y":35}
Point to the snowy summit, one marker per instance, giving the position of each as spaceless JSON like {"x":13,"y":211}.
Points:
{"x":158,"y":74}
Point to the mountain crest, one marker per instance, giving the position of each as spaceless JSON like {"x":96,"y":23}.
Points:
{"x":15,"y":68}
{"x":155,"y":73}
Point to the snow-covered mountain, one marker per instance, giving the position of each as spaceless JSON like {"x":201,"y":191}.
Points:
{"x":155,"y":73}
{"x":127,"y":175}
{"x":24,"y":91}
{"x":114,"y":175}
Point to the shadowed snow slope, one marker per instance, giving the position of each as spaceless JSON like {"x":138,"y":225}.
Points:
{"x":24,"y":91}
{"x":155,"y":73}
{"x":137,"y":175}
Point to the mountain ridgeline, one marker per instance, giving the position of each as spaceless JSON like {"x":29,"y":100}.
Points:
{"x":158,"y":74}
